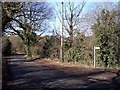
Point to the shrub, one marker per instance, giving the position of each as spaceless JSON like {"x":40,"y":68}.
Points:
{"x":17,"y":44}
{"x":6,"y":46}
{"x":36,"y":52}
{"x":73,"y":54}
{"x":106,"y":31}
{"x":51,"y":47}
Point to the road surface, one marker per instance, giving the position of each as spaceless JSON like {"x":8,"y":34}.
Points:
{"x":27,"y":74}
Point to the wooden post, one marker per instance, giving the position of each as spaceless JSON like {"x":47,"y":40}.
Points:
{"x":95,"y":55}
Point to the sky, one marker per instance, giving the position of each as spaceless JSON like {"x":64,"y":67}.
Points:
{"x":81,"y":0}
{"x":89,"y":7}
{"x":56,"y":23}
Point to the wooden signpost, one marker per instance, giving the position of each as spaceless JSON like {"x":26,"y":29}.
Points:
{"x":95,"y":55}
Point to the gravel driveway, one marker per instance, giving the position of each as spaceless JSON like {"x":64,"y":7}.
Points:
{"x":31,"y":75}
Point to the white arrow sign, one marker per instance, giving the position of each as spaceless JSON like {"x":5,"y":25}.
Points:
{"x":94,"y":54}
{"x":97,"y":47}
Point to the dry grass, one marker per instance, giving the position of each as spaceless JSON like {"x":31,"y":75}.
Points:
{"x":69,"y":64}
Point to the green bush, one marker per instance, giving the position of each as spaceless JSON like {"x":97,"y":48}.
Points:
{"x":51,"y":47}
{"x":73,"y":54}
{"x":106,"y":31}
{"x":36,"y":53}
{"x":6,"y":46}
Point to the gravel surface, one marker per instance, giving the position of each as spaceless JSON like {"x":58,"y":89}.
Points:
{"x":32,"y":75}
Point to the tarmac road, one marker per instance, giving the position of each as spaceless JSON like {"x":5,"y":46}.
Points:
{"x":26,"y":74}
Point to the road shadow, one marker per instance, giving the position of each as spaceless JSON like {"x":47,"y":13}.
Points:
{"x":14,"y":56}
{"x":37,"y":76}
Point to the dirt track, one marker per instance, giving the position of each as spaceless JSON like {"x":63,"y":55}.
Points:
{"x":28,"y":74}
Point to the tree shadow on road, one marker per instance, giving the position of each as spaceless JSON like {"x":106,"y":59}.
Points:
{"x":55,"y":76}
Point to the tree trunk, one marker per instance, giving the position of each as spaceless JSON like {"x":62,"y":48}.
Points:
{"x":71,"y":37}
{"x":27,"y":50}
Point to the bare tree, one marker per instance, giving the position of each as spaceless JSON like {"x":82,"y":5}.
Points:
{"x":72,"y":17}
{"x":28,"y":19}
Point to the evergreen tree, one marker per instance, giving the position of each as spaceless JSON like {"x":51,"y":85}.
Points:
{"x":106,"y":33}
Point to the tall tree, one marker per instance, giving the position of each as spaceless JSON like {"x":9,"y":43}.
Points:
{"x":72,"y":18}
{"x":29,"y":19}
{"x":106,"y":32}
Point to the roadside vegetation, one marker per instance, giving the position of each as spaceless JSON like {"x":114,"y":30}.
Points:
{"x":30,"y":28}
{"x":6,"y":51}
{"x":77,"y":46}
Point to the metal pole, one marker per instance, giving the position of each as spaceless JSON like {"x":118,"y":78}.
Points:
{"x":94,"y":57}
{"x":61,"y":50}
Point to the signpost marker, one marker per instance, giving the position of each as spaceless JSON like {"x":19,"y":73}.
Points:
{"x":94,"y":55}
